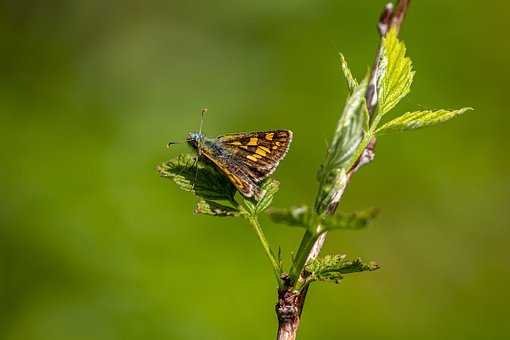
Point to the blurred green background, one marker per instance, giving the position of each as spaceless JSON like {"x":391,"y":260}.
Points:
{"x":94,"y":245}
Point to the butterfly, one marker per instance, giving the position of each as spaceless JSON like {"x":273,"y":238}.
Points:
{"x":244,"y":158}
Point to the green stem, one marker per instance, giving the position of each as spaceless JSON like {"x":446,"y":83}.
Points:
{"x":310,"y":237}
{"x":269,"y":253}
{"x":304,"y":249}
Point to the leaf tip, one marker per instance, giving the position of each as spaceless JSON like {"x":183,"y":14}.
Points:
{"x":466,"y":109}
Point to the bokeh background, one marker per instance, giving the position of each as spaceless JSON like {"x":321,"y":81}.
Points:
{"x":94,"y":245}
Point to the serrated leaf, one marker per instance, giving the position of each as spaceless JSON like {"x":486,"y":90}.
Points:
{"x":349,"y":131}
{"x":250,"y":206}
{"x":213,"y":208}
{"x":348,"y":135}
{"x":420,"y":119}
{"x":331,"y":267}
{"x":395,"y":72}
{"x":197,"y":177}
{"x":352,"y":221}
{"x":268,"y":189}
{"x":294,"y":217}
{"x":303,"y":218}
{"x":215,"y":192}
{"x":352,"y":83}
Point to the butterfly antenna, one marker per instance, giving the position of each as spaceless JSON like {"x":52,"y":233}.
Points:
{"x":202,"y":116}
{"x":204,"y":111}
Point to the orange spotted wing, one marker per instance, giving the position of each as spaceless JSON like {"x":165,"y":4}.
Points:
{"x":245,"y":158}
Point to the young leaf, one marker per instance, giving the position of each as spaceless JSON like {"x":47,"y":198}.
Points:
{"x":420,"y":119}
{"x":352,"y":83}
{"x":294,"y":217}
{"x":396,"y":72}
{"x":331,"y":267}
{"x":352,"y":221}
{"x":268,"y":188}
{"x":346,"y":140}
{"x":213,"y":208}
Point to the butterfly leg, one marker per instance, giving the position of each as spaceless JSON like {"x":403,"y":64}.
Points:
{"x":195,"y":164}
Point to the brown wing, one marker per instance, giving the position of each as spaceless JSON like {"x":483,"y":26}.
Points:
{"x":259,"y":152}
{"x":236,"y":174}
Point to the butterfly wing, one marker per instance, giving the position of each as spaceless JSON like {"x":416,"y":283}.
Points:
{"x":233,"y":169}
{"x":257,"y":154}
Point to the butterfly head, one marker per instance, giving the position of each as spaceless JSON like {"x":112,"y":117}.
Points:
{"x":195,"y":139}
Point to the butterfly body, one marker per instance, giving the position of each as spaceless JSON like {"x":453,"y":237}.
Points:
{"x":244,"y":158}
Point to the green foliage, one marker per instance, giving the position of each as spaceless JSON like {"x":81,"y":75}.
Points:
{"x":331,"y":268}
{"x":351,"y":147}
{"x":352,"y":83}
{"x":339,"y":159}
{"x":198,"y":177}
{"x":268,"y":188}
{"x":352,"y":221}
{"x":302,"y":217}
{"x":213,"y":208}
{"x":217,"y":196}
{"x":420,"y":119}
{"x":395,"y":74}
{"x":348,"y":134}
{"x":215,"y":192}
{"x":294,"y":217}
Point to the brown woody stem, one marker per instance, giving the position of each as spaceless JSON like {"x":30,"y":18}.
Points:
{"x":288,"y":310}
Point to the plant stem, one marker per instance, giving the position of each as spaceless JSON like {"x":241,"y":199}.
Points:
{"x":288,"y":309}
{"x":269,"y":253}
{"x":292,"y":295}
{"x":314,"y":239}
{"x":301,"y":257}
{"x":288,"y":330}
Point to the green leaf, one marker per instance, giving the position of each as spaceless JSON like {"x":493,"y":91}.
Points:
{"x":302,"y":217}
{"x":213,"y":208}
{"x":352,"y":221}
{"x":395,"y":72}
{"x":215,"y":192}
{"x":268,"y":189}
{"x":331,"y":267}
{"x":349,"y":131}
{"x":352,"y":83}
{"x":339,"y":159}
{"x":420,"y":119}
{"x":197,"y":177}
{"x":294,"y":217}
